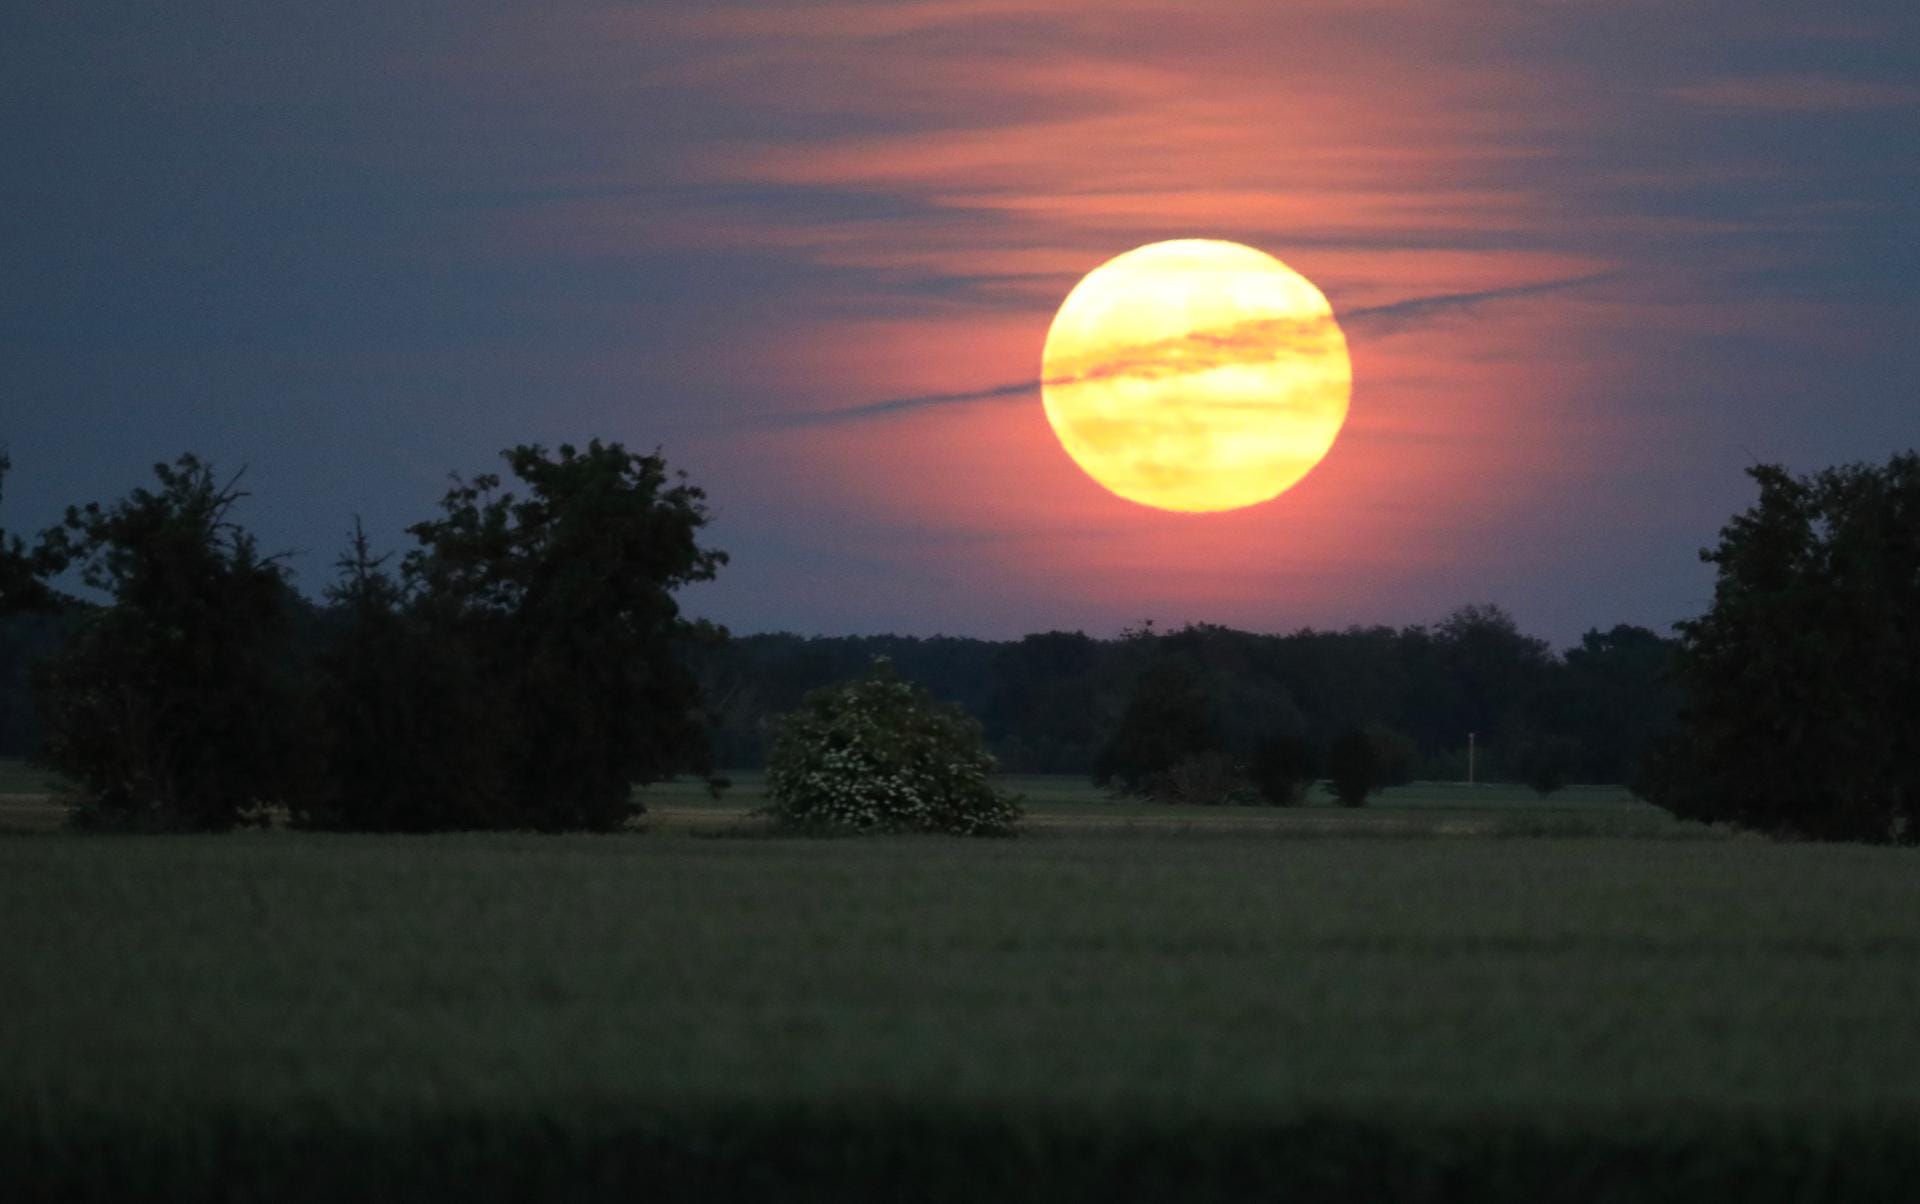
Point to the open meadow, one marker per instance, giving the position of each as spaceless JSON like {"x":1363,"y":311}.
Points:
{"x":1456,"y":993}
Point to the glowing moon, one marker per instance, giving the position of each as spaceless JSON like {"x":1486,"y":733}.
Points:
{"x":1196,"y":375}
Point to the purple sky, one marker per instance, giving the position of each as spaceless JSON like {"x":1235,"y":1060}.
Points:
{"x":1593,"y":259}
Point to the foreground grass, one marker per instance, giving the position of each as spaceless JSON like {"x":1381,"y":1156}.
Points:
{"x":1150,"y":1013}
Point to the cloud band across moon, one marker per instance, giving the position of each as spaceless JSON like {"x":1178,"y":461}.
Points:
{"x":1198,"y":350}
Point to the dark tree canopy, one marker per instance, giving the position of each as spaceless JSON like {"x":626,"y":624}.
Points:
{"x":1168,"y":721}
{"x":170,"y":706}
{"x":1048,"y":696}
{"x":565,"y":594}
{"x":1054,"y":702}
{"x":1282,"y":767}
{"x":1613,"y":699}
{"x":1802,"y":681}
{"x":1353,"y":767}
{"x":526,"y":669}
{"x":408,"y":730}
{"x":1478,"y":672}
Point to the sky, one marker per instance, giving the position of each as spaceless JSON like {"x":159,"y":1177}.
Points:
{"x":1593,"y":258}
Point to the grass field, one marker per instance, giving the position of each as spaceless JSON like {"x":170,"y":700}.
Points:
{"x":1457,"y":994}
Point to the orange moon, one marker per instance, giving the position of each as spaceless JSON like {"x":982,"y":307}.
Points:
{"x":1196,"y":375}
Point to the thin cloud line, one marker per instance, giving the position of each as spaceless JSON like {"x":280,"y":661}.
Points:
{"x":1397,"y":315}
{"x":1390,"y":318}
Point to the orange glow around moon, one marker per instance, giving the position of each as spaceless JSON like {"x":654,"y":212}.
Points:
{"x":1196,"y":375}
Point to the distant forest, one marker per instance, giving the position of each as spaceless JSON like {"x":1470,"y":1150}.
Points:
{"x":1049,"y":702}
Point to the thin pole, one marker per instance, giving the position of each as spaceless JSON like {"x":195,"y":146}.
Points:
{"x":1470,"y":736}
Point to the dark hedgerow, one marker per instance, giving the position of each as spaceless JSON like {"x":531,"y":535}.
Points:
{"x":880,"y":755}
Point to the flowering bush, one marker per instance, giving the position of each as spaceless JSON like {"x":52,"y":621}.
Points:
{"x":879,"y":755}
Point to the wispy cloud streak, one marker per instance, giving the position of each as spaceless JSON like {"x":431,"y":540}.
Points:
{"x":1255,"y":339}
{"x":1396,"y":316}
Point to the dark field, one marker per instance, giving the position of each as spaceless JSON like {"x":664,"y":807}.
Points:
{"x":1457,"y":994}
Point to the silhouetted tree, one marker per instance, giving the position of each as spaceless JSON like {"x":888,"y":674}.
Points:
{"x":1044,"y":703}
{"x":1353,"y":767}
{"x":1246,"y":698}
{"x":1615,"y":697}
{"x":409,"y":731}
{"x":565,"y":595}
{"x":1283,"y":766}
{"x":1474,"y":671}
{"x":170,"y":706}
{"x":1801,"y":714}
{"x":1168,"y":720}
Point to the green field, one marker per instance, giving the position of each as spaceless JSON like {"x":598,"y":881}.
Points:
{"x":1457,"y":994}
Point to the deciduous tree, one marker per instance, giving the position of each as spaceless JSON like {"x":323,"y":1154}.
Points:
{"x":1801,"y":683}
{"x":565,"y":594}
{"x":170,"y":705}
{"x":408,"y":730}
{"x":1168,"y":720}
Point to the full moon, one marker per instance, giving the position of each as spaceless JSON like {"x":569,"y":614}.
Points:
{"x":1196,"y":375}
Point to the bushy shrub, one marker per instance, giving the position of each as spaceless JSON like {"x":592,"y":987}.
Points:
{"x":880,"y":755}
{"x":1282,"y":769}
{"x":1353,"y":767}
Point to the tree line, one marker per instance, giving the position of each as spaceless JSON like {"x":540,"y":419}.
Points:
{"x":525,"y":664}
{"x":519,"y":667}
{"x":1067,"y":702}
